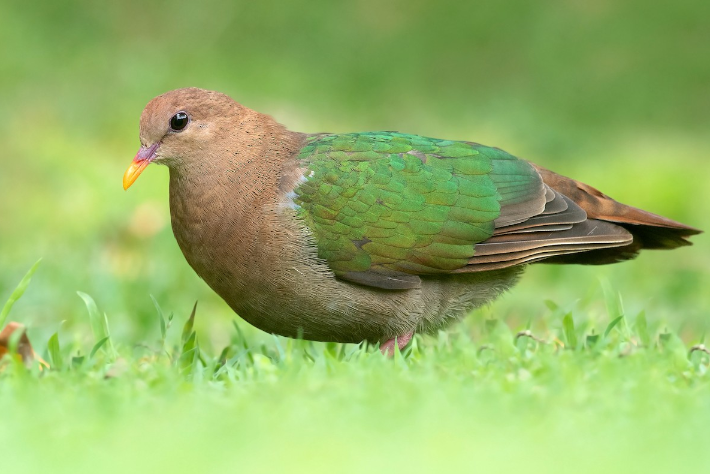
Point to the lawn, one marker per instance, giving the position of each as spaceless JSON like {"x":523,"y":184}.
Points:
{"x":591,"y":369}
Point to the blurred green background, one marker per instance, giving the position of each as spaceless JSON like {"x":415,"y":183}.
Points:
{"x":613,"y":93}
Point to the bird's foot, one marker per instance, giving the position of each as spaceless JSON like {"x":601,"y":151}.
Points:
{"x":387,"y":347}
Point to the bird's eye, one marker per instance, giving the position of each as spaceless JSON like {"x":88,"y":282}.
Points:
{"x":179,"y":121}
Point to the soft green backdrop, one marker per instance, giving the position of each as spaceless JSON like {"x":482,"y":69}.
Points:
{"x":614,"y":93}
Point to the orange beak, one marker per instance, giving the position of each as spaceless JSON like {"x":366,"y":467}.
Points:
{"x":143,"y":158}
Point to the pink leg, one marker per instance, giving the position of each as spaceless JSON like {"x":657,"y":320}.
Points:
{"x":387,"y":347}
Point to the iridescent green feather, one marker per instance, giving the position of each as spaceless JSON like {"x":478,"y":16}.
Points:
{"x":389,"y":202}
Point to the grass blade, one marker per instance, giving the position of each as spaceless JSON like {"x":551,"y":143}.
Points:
{"x":187,"y":328}
{"x":190,"y":352}
{"x":55,"y":354}
{"x":95,"y":319}
{"x":611,"y":326}
{"x":99,"y":323}
{"x":551,"y":305}
{"x":161,"y":318}
{"x":17,"y":294}
{"x":240,"y":339}
{"x":108,"y":335}
{"x":97,"y":346}
{"x":568,"y":326}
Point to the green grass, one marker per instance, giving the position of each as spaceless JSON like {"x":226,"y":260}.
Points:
{"x":485,"y":395}
{"x":612,"y":93}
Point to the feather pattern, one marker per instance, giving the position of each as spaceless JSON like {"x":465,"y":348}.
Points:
{"x":386,"y":208}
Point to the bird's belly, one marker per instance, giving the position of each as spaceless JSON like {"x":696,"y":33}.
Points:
{"x":306,"y":300}
{"x":276,"y":282}
{"x":327,"y":309}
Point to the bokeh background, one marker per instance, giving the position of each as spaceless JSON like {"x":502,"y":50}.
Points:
{"x":615,"y":93}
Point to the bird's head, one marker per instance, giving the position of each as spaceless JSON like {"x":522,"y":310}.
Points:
{"x":175,"y":126}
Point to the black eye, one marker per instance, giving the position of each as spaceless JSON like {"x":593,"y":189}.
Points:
{"x":179,"y":121}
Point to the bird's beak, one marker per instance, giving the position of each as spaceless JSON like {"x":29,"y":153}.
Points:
{"x":143,"y":158}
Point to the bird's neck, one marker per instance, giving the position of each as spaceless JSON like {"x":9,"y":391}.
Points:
{"x":227,"y":196}
{"x":243,"y":170}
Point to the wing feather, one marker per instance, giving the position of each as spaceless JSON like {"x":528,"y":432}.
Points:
{"x":386,"y":209}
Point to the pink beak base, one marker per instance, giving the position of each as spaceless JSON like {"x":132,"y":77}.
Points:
{"x":143,"y":158}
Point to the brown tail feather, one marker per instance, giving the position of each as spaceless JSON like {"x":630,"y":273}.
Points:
{"x":650,"y":231}
{"x":578,"y":224}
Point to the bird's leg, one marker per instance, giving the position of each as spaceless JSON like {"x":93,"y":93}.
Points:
{"x":387,"y":347}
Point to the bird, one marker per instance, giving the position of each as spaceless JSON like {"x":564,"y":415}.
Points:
{"x":369,"y":236}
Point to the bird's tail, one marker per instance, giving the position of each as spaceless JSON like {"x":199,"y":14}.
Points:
{"x":650,"y":231}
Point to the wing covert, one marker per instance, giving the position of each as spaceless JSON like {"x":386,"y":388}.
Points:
{"x":385,"y":207}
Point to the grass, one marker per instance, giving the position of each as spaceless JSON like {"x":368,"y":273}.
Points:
{"x":558,"y":374}
{"x":485,"y":395}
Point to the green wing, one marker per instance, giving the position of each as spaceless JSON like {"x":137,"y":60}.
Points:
{"x":385,"y":207}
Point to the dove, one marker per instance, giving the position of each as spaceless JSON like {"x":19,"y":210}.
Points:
{"x":369,"y":236}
